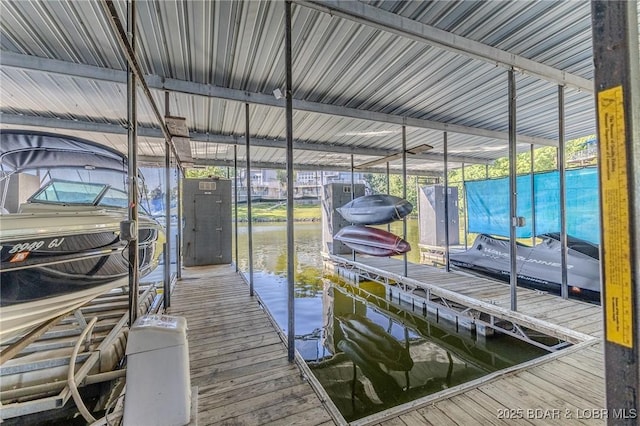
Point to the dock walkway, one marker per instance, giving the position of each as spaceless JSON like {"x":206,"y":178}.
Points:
{"x":238,"y":361}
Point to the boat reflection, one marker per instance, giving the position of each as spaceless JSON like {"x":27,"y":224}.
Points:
{"x":364,"y":335}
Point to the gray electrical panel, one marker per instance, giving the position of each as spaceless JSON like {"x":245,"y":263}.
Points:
{"x":432,"y":218}
{"x":207,"y":221}
{"x":336,"y":195}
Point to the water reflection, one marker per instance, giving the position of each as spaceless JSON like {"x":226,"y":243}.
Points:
{"x":366,"y":337}
{"x":369,"y":353}
{"x":377,"y":355}
{"x":270,"y":244}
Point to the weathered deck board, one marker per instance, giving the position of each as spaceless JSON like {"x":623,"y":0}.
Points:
{"x":414,"y":418}
{"x":237,"y":359}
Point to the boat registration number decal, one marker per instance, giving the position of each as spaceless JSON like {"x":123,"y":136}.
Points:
{"x":35,"y":245}
{"x":615,"y":218}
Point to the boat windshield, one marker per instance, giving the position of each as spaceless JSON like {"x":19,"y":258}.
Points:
{"x":65,"y":192}
{"x":114,"y":198}
{"x":81,"y":193}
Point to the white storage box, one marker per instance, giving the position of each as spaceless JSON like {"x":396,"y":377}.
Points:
{"x":158,"y":379}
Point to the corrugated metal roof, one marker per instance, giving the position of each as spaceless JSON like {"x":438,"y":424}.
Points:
{"x":338,"y":63}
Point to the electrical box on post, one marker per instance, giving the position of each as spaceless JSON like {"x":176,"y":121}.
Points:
{"x":207,"y":232}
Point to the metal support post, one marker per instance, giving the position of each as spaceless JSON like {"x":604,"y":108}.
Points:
{"x":249,"y":215}
{"x":512,"y":191}
{"x":132,"y":134}
{"x":617,"y":86}
{"x":388,"y":192}
{"x":167,"y":215}
{"x":564,"y":288}
{"x":466,"y":219}
{"x":404,"y":193}
{"x":533,"y":196}
{"x":353,"y":186}
{"x":447,"y":266}
{"x":179,"y":240}
{"x":235,"y":198}
{"x":290,"y":241}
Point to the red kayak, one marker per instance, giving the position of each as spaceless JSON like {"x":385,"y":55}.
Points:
{"x":372,"y":241}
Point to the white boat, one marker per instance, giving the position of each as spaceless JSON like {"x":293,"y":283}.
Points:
{"x":63,"y":247}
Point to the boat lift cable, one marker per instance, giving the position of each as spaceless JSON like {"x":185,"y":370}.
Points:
{"x":71,"y":380}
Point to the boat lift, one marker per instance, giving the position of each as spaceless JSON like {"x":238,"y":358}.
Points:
{"x":481,"y":317}
{"x":48,"y":354}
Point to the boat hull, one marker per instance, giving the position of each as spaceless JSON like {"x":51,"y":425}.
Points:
{"x":538,"y":266}
{"x":49,"y":272}
{"x":372,"y":241}
{"x":20,"y":317}
{"x":375,"y":209}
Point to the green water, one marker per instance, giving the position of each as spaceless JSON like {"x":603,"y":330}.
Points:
{"x":270,"y":244}
{"x":369,"y":354}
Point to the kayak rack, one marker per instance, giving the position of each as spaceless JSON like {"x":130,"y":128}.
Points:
{"x":479,"y":317}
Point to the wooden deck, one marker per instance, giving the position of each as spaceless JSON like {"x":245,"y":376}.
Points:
{"x":565,"y":388}
{"x":238,"y":361}
{"x":568,"y":390}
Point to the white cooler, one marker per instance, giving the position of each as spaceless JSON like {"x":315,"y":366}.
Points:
{"x":158,"y":381}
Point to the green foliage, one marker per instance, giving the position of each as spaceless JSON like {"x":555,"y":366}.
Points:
{"x":545,"y":159}
{"x":378,"y":184}
{"x":277,"y":212}
{"x":209,"y":171}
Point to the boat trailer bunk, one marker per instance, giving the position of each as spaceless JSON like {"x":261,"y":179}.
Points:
{"x":479,"y":317}
{"x":43,"y":370}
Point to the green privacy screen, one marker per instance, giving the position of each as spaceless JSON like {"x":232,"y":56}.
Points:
{"x":488,"y":204}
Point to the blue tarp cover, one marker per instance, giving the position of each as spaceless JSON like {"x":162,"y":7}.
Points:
{"x":488,"y":204}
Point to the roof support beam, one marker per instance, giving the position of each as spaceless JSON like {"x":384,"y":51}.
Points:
{"x":153,"y":161}
{"x":16,"y":60}
{"x":386,"y":21}
{"x":87,"y":126}
{"x":208,"y":90}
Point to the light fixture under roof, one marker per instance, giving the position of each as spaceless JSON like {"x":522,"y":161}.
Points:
{"x":180,"y":138}
{"x":411,"y":151}
{"x":278,"y":94}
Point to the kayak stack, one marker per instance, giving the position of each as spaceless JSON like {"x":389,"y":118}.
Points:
{"x":378,"y":209}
